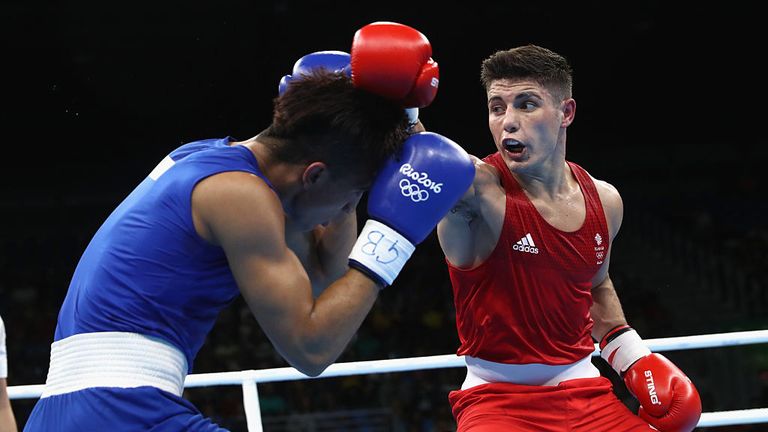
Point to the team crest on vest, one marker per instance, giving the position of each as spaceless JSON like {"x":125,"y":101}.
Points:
{"x":599,"y":249}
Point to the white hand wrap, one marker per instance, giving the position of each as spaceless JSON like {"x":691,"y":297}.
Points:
{"x":623,"y":351}
{"x":381,"y":250}
{"x":413,"y":115}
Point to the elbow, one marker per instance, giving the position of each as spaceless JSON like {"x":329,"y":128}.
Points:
{"x":312,"y":371}
{"x":312,"y":350}
{"x":311,"y":366}
{"x":312,"y":358}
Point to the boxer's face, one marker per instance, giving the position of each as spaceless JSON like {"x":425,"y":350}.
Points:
{"x":525,"y":121}
{"x":325,"y":198}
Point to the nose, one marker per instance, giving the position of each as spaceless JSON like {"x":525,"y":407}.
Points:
{"x":511,"y":121}
{"x":352,"y":205}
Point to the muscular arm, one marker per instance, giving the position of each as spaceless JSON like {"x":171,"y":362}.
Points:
{"x":241,"y":214}
{"x":606,"y":309}
{"x":324,"y":251}
{"x":7,"y":420}
{"x":469,"y":232}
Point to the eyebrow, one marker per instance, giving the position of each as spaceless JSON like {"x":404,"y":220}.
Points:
{"x":494,"y":99}
{"x":519,"y":96}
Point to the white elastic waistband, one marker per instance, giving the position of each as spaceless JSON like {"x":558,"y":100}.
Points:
{"x":481,"y":371}
{"x":114,"y":359}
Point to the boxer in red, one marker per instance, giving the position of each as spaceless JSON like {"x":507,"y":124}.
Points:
{"x":528,"y":248}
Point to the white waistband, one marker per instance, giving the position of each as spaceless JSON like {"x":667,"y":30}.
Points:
{"x":481,"y":371}
{"x":114,"y":359}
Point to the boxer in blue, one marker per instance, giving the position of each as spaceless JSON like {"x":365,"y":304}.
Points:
{"x":272,"y":219}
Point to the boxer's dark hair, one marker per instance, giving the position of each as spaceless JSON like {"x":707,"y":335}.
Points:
{"x":530,"y":62}
{"x":323,"y":117}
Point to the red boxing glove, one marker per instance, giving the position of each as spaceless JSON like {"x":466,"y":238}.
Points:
{"x":394,"y":61}
{"x":668,"y":399}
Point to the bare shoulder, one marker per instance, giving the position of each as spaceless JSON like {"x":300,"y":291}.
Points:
{"x":486,"y":179}
{"x":485,"y":173}
{"x":469,"y":232}
{"x":609,"y":195}
{"x":236,"y":206}
{"x":612,"y":203}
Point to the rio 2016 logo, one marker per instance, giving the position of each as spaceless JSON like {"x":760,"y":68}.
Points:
{"x":413,"y":190}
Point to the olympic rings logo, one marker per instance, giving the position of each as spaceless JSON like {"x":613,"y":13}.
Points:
{"x":413,"y":191}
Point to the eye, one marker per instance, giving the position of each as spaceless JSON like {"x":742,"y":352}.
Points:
{"x":528,"y":105}
{"x":496,"y":109}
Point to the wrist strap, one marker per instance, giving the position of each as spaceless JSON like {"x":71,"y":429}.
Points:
{"x":381,"y":250}
{"x":613,"y":334}
{"x":622,"y":347}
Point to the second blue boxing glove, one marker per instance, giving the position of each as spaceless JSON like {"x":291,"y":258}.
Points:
{"x":330,"y":60}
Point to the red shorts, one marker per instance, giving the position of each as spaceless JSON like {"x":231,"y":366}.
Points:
{"x":578,"y":405}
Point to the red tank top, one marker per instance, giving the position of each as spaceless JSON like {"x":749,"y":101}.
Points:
{"x":529,"y":301}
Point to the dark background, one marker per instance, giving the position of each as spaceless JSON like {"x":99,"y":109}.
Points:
{"x":671,"y":103}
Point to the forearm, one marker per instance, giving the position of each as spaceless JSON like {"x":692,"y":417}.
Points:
{"x":335,"y":318}
{"x":606,"y":309}
{"x":7,"y":420}
{"x":334,"y":243}
{"x":323,"y":252}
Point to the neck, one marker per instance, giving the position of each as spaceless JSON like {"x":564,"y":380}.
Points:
{"x":284,"y":177}
{"x":549,"y":183}
{"x":549,"y":178}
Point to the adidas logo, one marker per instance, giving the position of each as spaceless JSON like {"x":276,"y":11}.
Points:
{"x":526,"y":244}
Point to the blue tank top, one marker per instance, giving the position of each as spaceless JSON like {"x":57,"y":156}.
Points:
{"x":146,"y":270}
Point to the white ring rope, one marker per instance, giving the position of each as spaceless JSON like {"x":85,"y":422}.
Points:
{"x":248,"y":379}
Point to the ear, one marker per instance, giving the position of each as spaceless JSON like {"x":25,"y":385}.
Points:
{"x":313,"y":173}
{"x":569,"y":112}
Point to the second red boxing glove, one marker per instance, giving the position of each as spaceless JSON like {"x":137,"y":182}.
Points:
{"x":668,"y":399}
{"x":394,"y":61}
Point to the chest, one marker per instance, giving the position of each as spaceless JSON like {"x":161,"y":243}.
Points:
{"x":568,"y":236}
{"x":565,"y":213}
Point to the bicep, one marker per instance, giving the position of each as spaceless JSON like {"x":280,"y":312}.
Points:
{"x":606,"y":310}
{"x":613,"y":208}
{"x":454,"y":233}
{"x":246,"y":219}
{"x":275,"y":286}
{"x":470,"y":229}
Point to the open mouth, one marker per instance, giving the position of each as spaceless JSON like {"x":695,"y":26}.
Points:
{"x":513,"y":146}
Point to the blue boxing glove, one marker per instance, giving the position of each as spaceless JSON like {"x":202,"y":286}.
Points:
{"x":337,"y":61}
{"x":332,"y":60}
{"x":409,"y":196}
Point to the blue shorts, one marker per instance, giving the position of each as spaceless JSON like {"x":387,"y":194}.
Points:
{"x":111,"y":409}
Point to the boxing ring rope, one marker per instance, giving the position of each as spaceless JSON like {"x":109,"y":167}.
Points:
{"x":249,"y":379}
